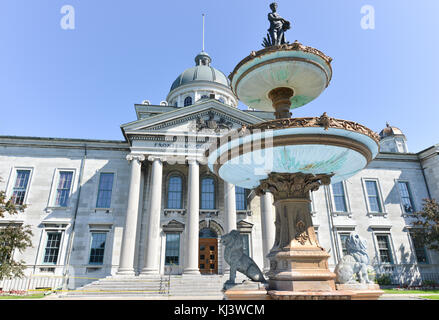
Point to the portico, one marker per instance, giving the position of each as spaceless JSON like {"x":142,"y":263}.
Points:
{"x":181,"y":190}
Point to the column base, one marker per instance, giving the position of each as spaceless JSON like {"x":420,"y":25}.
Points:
{"x":149,"y":272}
{"x":191,"y":272}
{"x":125,"y":272}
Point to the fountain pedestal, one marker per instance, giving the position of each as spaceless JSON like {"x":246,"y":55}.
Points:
{"x":297,"y":261}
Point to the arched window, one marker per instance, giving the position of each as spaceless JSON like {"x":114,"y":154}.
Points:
{"x":222,"y":100}
{"x":207,"y":233}
{"x":175,"y":192}
{"x":187,"y":101}
{"x":241,"y":198}
{"x":207,"y":193}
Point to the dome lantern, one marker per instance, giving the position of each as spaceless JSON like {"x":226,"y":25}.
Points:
{"x":392,"y":139}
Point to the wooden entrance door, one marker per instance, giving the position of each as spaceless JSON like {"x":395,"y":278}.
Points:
{"x":208,"y":256}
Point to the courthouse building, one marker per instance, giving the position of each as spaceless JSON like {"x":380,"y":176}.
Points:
{"x":148,"y":204}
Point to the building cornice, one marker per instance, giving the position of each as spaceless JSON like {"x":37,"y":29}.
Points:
{"x":390,"y":156}
{"x":63,"y":143}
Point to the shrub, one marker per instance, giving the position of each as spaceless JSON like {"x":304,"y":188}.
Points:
{"x":383,"y":279}
{"x":429,"y":283}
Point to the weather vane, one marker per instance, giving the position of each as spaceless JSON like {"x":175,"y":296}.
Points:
{"x":278,"y":26}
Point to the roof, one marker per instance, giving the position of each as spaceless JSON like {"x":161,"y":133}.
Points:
{"x":390,"y":131}
{"x":202,"y":71}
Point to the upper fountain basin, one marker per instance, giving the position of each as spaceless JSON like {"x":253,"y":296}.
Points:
{"x":307,"y":71}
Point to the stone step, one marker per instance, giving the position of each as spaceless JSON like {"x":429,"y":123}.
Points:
{"x":140,"y":284}
{"x":155,"y":287}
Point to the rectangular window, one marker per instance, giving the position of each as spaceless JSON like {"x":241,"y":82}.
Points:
{"x":246,"y":243}
{"x":5,"y":255}
{"x":63,"y":188}
{"x":52,"y":247}
{"x":339,"y":197}
{"x":373,"y":196}
{"x":175,"y":192}
{"x":207,"y":194}
{"x":104,"y":190}
{"x":97,"y":247}
{"x":384,"y":249}
{"x":172,"y":252}
{"x":241,"y":198}
{"x":420,"y":251}
{"x":406,"y":199}
{"x":20,"y":186}
{"x":343,"y":238}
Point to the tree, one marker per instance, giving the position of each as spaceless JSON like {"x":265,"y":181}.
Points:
{"x":427,"y":223}
{"x":12,"y":237}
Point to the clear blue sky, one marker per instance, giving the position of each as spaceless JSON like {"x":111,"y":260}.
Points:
{"x":83,"y":83}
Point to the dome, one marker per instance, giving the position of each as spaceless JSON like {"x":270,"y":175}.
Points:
{"x":389,"y":131}
{"x":201,"y":72}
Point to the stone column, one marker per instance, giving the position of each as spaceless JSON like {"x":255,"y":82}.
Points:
{"x":268,"y":229}
{"x":297,"y":261}
{"x":230,"y":212}
{"x":193,"y":220}
{"x":126,"y":263}
{"x":151,"y":266}
{"x":229,"y":206}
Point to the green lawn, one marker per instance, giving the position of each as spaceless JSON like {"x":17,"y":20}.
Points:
{"x":430,"y":297}
{"x":31,"y":296}
{"x":394,"y":291}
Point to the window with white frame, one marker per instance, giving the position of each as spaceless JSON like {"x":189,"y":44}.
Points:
{"x":175,"y":192}
{"x":53,"y":245}
{"x":20,"y":186}
{"x":172,"y":251}
{"x":406,"y":199}
{"x":246,"y":243}
{"x":241,"y":198}
{"x":339,"y":197}
{"x":373,"y":196}
{"x":105,"y":190}
{"x":5,"y":255}
{"x":419,"y":248}
{"x":63,"y":188}
{"x":97,"y":247}
{"x":384,"y":248}
{"x":344,"y":236}
{"x":207,"y":193}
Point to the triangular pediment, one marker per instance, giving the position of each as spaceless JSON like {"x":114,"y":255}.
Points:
{"x":173,"y":226}
{"x":209,"y":116}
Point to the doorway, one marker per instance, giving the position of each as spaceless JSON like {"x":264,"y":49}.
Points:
{"x":208,"y":251}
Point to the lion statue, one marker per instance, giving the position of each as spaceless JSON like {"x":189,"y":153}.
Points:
{"x":354,"y":263}
{"x":238,"y":260}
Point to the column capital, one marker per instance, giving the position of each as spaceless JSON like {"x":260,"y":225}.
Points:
{"x":152,"y":158}
{"x":192,"y":160}
{"x":199,"y":159}
{"x":292,"y":185}
{"x":137,"y":157}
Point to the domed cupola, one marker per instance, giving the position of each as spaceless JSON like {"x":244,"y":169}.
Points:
{"x":393,"y":140}
{"x":201,"y":82}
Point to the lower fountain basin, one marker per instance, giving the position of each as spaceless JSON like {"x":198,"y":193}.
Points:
{"x":248,"y":156}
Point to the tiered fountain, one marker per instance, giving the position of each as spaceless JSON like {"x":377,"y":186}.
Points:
{"x":299,"y":155}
